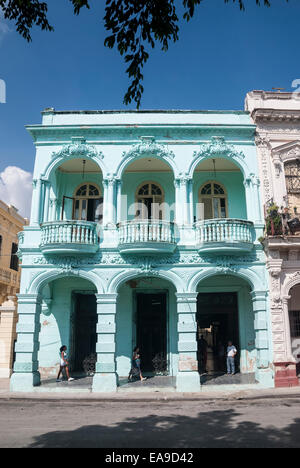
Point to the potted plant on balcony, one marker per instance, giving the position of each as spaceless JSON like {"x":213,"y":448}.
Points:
{"x":274,"y":225}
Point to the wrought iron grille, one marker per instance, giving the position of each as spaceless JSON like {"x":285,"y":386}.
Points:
{"x":292,"y":175}
{"x":295,"y":323}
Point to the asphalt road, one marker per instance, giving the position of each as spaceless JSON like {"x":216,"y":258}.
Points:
{"x":42,"y":424}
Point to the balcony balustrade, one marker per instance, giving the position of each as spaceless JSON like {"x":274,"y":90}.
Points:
{"x":9,"y":277}
{"x":146,"y":237}
{"x":224,"y":236}
{"x":69,"y":237}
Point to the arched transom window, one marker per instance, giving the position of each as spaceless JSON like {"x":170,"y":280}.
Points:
{"x":88,"y":203}
{"x":149,"y":197}
{"x":214,"y":199}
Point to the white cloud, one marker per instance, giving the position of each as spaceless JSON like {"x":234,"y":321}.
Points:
{"x":16,"y":189}
{"x":4,"y":27}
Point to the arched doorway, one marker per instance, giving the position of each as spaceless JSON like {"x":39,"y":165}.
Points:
{"x":146,"y":317}
{"x":75,"y":192}
{"x":148,"y":184}
{"x":88,"y":203}
{"x":149,"y":198}
{"x":224,"y":314}
{"x":218,"y":185}
{"x":69,"y":317}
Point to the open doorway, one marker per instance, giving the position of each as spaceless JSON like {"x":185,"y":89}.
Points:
{"x":151,"y":331}
{"x":217,"y":323}
{"x":84,"y":330}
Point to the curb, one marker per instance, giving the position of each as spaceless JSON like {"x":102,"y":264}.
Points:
{"x":144,"y":398}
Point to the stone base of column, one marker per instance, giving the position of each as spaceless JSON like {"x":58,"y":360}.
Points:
{"x":265,"y":377}
{"x":285,"y":375}
{"x":24,"y":382}
{"x":105,"y":383}
{"x":188,"y":382}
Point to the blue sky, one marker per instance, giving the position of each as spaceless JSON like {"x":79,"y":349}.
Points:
{"x":222,"y":54}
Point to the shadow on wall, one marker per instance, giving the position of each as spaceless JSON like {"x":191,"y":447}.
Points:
{"x":214,"y":429}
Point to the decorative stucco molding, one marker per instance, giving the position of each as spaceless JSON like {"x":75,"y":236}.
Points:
{"x":147,"y":147}
{"x":77,"y":149}
{"x":218,"y":148}
{"x":113,"y":258}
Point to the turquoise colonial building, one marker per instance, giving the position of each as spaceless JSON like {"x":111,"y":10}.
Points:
{"x":144,"y":231}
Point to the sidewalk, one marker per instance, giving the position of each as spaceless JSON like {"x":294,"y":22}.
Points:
{"x":226,"y":395}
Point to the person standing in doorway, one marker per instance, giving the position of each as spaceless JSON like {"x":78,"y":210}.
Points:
{"x":231,"y":353}
{"x":64,"y":365}
{"x":135,"y":371}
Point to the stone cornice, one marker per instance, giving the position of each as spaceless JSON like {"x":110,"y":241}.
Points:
{"x":134,"y":132}
{"x":276,"y":115}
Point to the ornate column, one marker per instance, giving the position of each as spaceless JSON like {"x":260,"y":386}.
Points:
{"x":26,"y":374}
{"x":284,"y":361}
{"x":251,"y":185}
{"x":105,"y":379}
{"x":264,"y":149}
{"x":188,"y":378}
{"x":264,"y":373}
{"x":178,"y":208}
{"x":191,"y":201}
{"x":182,"y":200}
{"x":119,"y":200}
{"x":109,"y":199}
{"x":46,"y":201}
{"x":36,"y":202}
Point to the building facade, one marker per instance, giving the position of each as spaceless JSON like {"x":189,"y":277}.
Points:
{"x":144,"y":231}
{"x":11,"y":223}
{"x":277,"y":116}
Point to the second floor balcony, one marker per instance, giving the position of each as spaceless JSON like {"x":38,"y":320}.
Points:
{"x":69,"y":237}
{"x":224,"y":235}
{"x":146,"y":237}
{"x":9,"y":277}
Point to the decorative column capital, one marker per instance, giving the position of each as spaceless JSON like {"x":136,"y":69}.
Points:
{"x":110,"y":180}
{"x":285,"y":300}
{"x":258,"y":295}
{"x":251,"y":181}
{"x":262,"y":142}
{"x":35,"y":299}
{"x":186,"y":297}
{"x":106,"y":298}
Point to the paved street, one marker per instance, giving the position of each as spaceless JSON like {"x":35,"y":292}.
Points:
{"x":157,"y":424}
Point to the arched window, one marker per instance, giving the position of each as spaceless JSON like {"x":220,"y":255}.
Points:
{"x":149,"y":197}
{"x":214,"y":199}
{"x":88,"y":203}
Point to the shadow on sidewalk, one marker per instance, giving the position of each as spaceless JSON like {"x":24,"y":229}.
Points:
{"x":214,"y":429}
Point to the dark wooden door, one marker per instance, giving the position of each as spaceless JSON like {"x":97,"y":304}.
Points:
{"x":85,"y":328}
{"x":152,"y":330}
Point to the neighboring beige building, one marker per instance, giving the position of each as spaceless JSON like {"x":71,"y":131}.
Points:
{"x":277,"y":116}
{"x":11,"y":223}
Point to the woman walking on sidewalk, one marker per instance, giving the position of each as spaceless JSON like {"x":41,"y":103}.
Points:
{"x":135,"y":371}
{"x":63,"y":364}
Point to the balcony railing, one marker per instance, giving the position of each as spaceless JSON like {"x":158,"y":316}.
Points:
{"x":224,"y":235}
{"x":149,"y":236}
{"x":69,"y":237}
{"x":9,"y":277}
